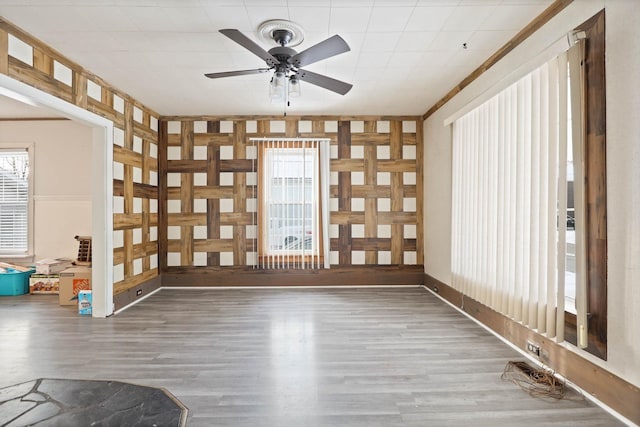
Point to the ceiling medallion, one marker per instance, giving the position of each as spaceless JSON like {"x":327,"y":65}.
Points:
{"x":266,"y":32}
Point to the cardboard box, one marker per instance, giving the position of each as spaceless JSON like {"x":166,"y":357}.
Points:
{"x":44,"y":284}
{"x":53,"y":266}
{"x":85,"y":303}
{"x":72,"y":281}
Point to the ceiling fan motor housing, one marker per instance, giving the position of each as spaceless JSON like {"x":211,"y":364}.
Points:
{"x":282,"y":36}
{"x":284,"y":55}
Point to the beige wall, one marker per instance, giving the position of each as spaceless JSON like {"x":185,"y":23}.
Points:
{"x":61,"y":180}
{"x":623,"y":169}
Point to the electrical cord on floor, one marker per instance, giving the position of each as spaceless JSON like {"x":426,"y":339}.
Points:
{"x":538,"y":382}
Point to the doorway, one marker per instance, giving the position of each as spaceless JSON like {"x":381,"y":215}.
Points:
{"x":101,"y":183}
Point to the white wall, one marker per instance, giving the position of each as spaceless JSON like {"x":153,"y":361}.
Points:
{"x":62,"y":182}
{"x":623,"y":169}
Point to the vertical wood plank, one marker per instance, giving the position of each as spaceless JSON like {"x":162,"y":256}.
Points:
{"x":163,"y":223}
{"x":596,"y":183}
{"x":317,"y":126}
{"x":397,"y":193}
{"x":128,"y":189}
{"x":213,"y":180}
{"x":128,"y":209}
{"x":79,"y":90}
{"x":263,"y":127}
{"x":128,"y":124}
{"x":419,"y":193}
{"x":344,"y":192}
{"x":291,"y":128}
{"x":186,"y":193}
{"x":107,"y":97}
{"x":42,"y":62}
{"x":239,"y":193}
{"x":371,"y":203}
{"x":4,"y":52}
{"x":146,"y":262}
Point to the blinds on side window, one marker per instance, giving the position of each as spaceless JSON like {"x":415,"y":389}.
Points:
{"x":14,"y":201}
{"x":508,"y":226}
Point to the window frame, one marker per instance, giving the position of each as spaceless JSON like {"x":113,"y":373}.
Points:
{"x":595,"y":180}
{"x":29,"y":147}
{"x":264,"y":253}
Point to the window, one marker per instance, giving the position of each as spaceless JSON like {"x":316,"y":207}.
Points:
{"x":14,"y":201}
{"x":291,"y":206}
{"x":510,"y":198}
{"x":508,"y":219}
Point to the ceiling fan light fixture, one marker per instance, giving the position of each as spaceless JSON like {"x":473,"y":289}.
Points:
{"x":277,"y":87}
{"x":294,"y":86}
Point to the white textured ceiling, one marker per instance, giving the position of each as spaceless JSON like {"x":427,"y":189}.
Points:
{"x":405,"y":54}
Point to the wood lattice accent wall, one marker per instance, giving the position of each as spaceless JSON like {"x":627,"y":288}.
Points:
{"x":135,"y":150}
{"x":208,"y":215}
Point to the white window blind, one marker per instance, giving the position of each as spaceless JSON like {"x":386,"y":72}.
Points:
{"x":509,"y":187}
{"x":293,"y":209}
{"x":14,"y":201}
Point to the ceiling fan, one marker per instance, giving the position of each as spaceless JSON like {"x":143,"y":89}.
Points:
{"x":287,"y":63}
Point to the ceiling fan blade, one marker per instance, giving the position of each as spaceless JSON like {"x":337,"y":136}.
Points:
{"x":325,"y":49}
{"x":237,"y":73}
{"x":323,"y":81}
{"x":252,"y":46}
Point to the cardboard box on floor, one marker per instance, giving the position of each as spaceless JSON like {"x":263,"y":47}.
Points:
{"x":53,"y":266}
{"x":44,"y":284}
{"x":72,"y":281}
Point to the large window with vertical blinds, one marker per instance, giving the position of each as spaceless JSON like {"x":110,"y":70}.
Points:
{"x":293,"y":203}
{"x":14,"y":201}
{"x":509,"y":205}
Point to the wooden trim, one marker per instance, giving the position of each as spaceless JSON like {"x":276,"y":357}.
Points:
{"x":134,"y":293}
{"x":163,"y":219}
{"x":4,"y":51}
{"x":145,"y":191}
{"x":368,"y":275}
{"x":610,"y":389}
{"x":288,"y":118}
{"x":31,"y":119}
{"x":419,"y":193}
{"x":555,"y":8}
{"x":186,"y":193}
{"x":595,"y":181}
{"x":213,"y":203}
{"x":344,"y":193}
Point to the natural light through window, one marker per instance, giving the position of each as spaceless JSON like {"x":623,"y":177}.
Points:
{"x":290,"y":190}
{"x":14,"y":202}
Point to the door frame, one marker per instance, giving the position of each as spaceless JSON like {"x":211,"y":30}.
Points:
{"x":101,"y":184}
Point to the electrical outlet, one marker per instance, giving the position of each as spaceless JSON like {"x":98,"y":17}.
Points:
{"x":533,"y":348}
{"x":544,"y":356}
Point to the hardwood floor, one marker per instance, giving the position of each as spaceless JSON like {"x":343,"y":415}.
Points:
{"x":289,"y":357}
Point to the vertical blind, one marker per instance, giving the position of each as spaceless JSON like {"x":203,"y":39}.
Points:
{"x":509,"y":185}
{"x":14,"y":201}
{"x":293,"y":194}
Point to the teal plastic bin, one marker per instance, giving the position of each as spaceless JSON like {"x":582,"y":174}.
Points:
{"x":14,"y":283}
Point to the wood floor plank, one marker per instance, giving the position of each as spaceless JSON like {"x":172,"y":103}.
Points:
{"x":290,"y":357}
